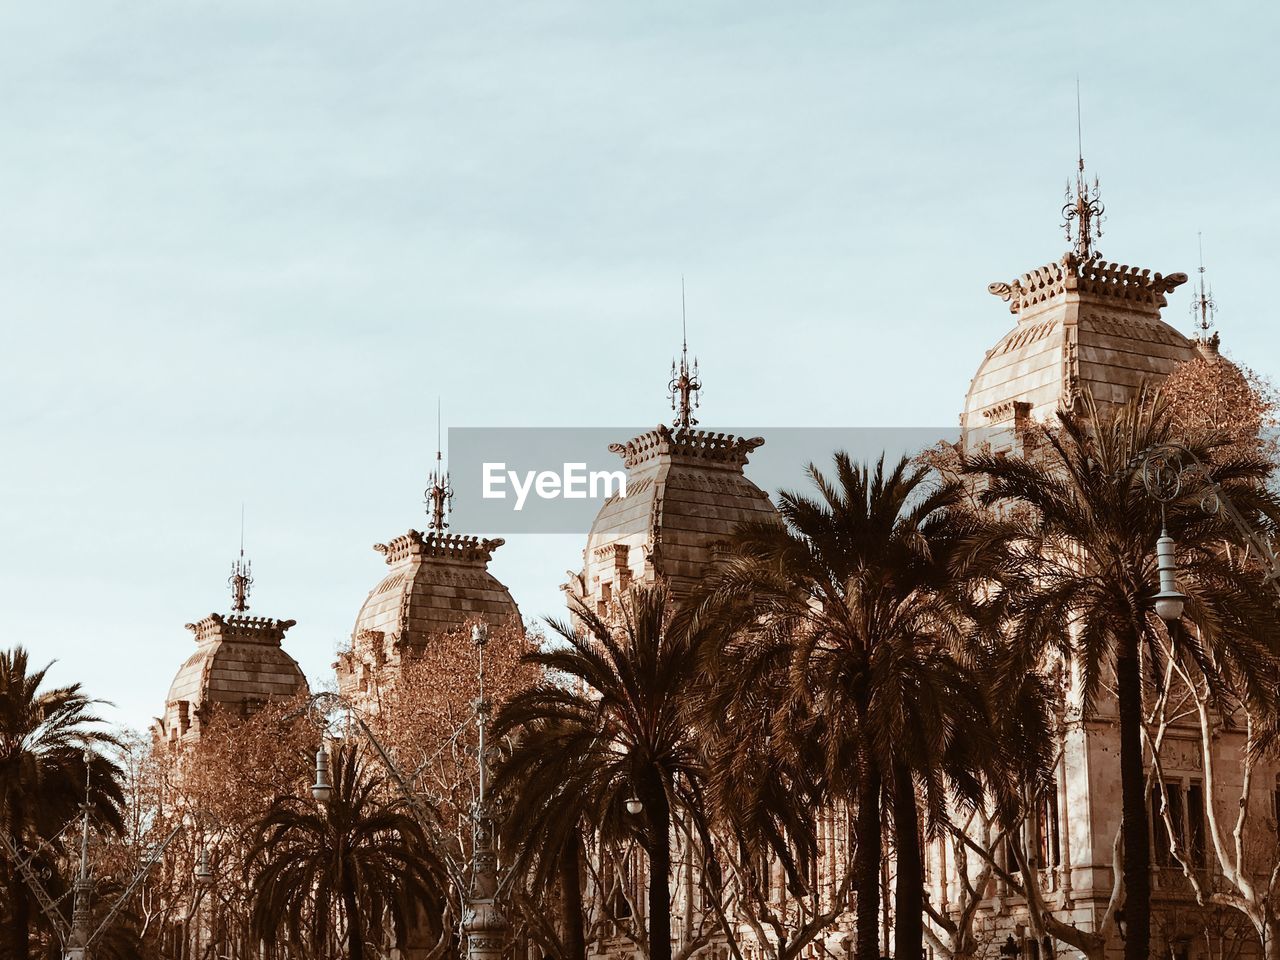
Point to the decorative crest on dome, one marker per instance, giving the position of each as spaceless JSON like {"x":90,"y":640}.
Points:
{"x":1135,"y":288}
{"x":1203,"y":307}
{"x":1083,"y":212}
{"x":241,"y":579}
{"x":442,"y":545}
{"x":686,"y":444}
{"x":240,"y":629}
{"x":439,"y":495}
{"x":685,"y":387}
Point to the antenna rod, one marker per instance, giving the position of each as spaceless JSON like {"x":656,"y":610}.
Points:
{"x":685,"y":385}
{"x":1079,"y":134}
{"x":684,"y":320}
{"x":1202,"y":306}
{"x":439,"y":495}
{"x":241,"y":579}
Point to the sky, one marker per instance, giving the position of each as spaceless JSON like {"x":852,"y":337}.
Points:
{"x":244,"y":247}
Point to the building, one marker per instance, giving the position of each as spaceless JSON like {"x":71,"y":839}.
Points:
{"x":1083,"y":326}
{"x":1087,"y":325}
{"x":686,"y":492}
{"x":239,"y":664}
{"x":434,"y":584}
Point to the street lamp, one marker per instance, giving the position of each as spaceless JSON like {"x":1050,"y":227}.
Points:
{"x":1170,"y":471}
{"x":202,"y":872}
{"x":1169,"y":601}
{"x":634,"y":806}
{"x":322,"y":789}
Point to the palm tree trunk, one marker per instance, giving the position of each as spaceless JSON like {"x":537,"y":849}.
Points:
{"x":659,"y":815}
{"x":1137,"y":854}
{"x":867,"y":862}
{"x":355,"y":935}
{"x":575,"y":945}
{"x":908,"y":894}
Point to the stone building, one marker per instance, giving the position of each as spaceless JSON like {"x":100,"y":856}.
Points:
{"x":1087,"y":325}
{"x":686,"y":492}
{"x":239,"y":664}
{"x":435,"y":582}
{"x":1083,"y":325}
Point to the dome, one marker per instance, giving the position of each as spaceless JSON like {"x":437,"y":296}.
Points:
{"x":239,"y":664}
{"x":434,"y":584}
{"x":686,"y":492}
{"x":1083,"y":326}
{"x":1212,"y":394}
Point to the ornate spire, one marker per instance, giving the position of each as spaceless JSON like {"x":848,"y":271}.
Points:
{"x":685,"y":386}
{"x":241,"y":578}
{"x":439,"y":495}
{"x":1203,"y":308}
{"x":1083,"y":212}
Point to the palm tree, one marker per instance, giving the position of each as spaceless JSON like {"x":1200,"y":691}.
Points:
{"x":49,"y":743}
{"x":1072,"y":565}
{"x":354,"y":855}
{"x":837,"y":623}
{"x":544,"y":825}
{"x":616,"y":730}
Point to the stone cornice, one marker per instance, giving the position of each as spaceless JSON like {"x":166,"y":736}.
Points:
{"x":690,"y":445}
{"x":1007,"y":410}
{"x":439,"y":545}
{"x":1093,"y":278}
{"x":237,"y":628}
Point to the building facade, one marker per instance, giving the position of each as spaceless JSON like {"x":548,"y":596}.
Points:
{"x":238,"y":665}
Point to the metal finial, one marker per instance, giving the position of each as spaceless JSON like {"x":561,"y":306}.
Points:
{"x":439,"y":495}
{"x":241,"y":578}
{"x":1203,"y":308}
{"x":685,"y":386}
{"x":1083,"y":212}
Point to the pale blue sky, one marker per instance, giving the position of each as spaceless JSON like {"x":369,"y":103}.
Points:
{"x":244,"y":245}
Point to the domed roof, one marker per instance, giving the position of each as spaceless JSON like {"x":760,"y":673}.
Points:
{"x":435,"y":583}
{"x":1083,"y":325}
{"x":238,"y":664}
{"x":1213,"y":394}
{"x":685,"y":494}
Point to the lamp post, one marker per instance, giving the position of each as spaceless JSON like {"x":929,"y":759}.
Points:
{"x":483,"y":921}
{"x":1169,"y":472}
{"x":202,"y":874}
{"x":78,"y":941}
{"x":78,"y":936}
{"x":322,"y":789}
{"x":1169,"y":601}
